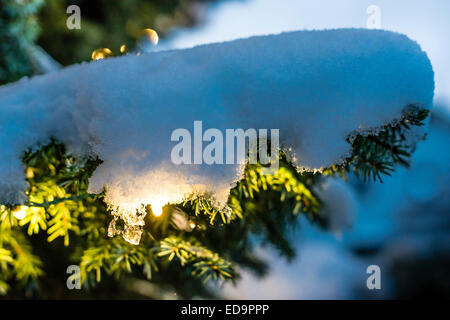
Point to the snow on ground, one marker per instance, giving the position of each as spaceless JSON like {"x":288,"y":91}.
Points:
{"x":317,"y":87}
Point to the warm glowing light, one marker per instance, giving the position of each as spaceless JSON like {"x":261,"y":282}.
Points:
{"x":101,"y":53}
{"x":150,"y":35}
{"x":129,"y":206}
{"x":123,"y":48}
{"x":157,"y":206}
{"x":192,"y":225}
{"x":20,"y":212}
{"x":30,"y":173}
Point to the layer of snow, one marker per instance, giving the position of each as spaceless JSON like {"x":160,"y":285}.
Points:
{"x":315,"y":86}
{"x":250,"y":18}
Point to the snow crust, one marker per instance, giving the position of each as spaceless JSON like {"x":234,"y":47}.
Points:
{"x":317,"y":87}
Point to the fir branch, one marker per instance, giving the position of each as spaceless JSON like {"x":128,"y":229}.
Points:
{"x":377,"y":155}
{"x":206,"y":264}
{"x":60,"y":200}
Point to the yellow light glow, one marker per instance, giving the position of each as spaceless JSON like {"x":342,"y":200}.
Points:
{"x":20,"y":212}
{"x":123,"y":48}
{"x":101,"y":53}
{"x":150,"y":35}
{"x":30,"y":173}
{"x":192,"y":225}
{"x":157,"y":206}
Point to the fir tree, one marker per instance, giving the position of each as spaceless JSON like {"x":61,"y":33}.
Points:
{"x":18,"y":31}
{"x":190,"y":244}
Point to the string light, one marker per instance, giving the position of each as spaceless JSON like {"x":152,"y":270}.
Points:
{"x":150,"y":35}
{"x":101,"y":53}
{"x":148,"y":40}
{"x":20,"y":212}
{"x":157,"y":206}
{"x":30,"y":173}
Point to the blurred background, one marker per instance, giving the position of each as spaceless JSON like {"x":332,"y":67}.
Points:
{"x":402,"y":225}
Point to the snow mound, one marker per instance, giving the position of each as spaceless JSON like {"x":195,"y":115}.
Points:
{"x":315,"y":86}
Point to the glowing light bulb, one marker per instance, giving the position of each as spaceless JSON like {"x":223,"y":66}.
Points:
{"x":148,"y":40}
{"x":123,"y":48}
{"x":20,"y":212}
{"x":157,"y":206}
{"x":150,"y":35}
{"x":30,"y":173}
{"x":157,"y":210}
{"x":101,"y":53}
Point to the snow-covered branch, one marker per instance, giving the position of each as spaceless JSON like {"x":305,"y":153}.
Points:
{"x":317,"y":87}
